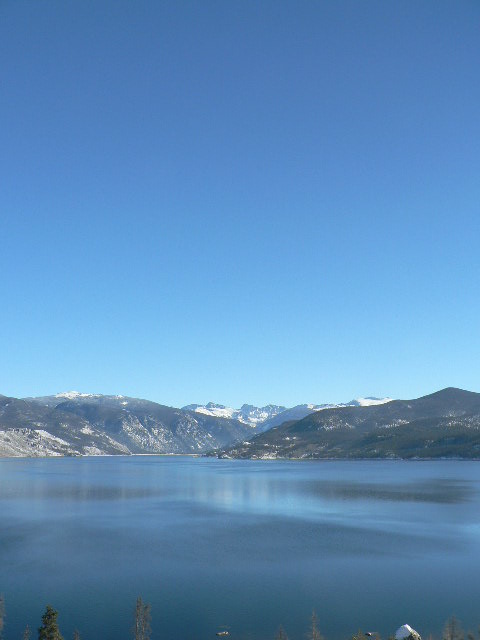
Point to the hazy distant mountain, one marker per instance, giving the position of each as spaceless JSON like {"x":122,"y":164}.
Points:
{"x":370,"y":401}
{"x":302,"y":410}
{"x":248,"y":414}
{"x":264,"y":418}
{"x":73,"y":423}
{"x":443,"y":424}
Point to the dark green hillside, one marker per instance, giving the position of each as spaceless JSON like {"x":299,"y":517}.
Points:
{"x":443,"y":424}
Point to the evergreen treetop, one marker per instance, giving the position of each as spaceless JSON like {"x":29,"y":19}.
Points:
{"x":49,"y":629}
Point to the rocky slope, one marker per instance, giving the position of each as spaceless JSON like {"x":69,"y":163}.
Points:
{"x":443,"y":424}
{"x":84,"y":424}
{"x":248,"y":414}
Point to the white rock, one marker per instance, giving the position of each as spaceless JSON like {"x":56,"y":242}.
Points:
{"x":406,"y":631}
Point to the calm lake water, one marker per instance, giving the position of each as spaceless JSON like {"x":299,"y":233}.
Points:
{"x":245,"y":544}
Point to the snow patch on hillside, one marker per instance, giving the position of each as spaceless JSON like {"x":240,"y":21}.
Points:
{"x":73,"y":395}
{"x":370,"y":402}
{"x":247,"y":414}
{"x":45,"y":434}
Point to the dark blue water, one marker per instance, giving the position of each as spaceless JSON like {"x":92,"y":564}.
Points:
{"x":245,"y":544}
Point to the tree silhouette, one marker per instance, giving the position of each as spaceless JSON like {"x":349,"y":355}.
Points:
{"x":452,"y":630}
{"x":2,"y":615}
{"x":142,"y":629}
{"x":314,"y":633}
{"x":49,"y":629}
{"x":281,"y":635}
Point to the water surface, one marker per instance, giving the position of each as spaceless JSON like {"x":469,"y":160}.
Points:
{"x":245,"y":544}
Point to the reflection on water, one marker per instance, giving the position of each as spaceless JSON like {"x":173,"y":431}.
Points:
{"x":441,"y":490}
{"x":248,"y":544}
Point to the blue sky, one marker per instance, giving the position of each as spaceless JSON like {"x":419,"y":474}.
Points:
{"x":240,"y":201}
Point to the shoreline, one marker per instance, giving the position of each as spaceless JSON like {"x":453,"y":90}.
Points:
{"x":202,"y":455}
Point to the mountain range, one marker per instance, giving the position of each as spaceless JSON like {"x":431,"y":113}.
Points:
{"x":248,"y":414}
{"x":74,"y":423}
{"x":443,"y":424}
{"x":263,"y":418}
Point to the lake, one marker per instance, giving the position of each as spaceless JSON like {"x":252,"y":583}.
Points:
{"x":243,"y":545}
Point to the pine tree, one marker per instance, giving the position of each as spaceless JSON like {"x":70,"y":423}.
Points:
{"x":49,"y":629}
{"x":314,"y":633}
{"x":2,"y":615}
{"x":27,"y":634}
{"x":452,"y":630}
{"x":76,"y":635}
{"x":281,"y":635}
{"x":142,"y":629}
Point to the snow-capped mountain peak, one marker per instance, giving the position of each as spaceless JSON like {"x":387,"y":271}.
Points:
{"x":368,"y":401}
{"x":73,"y":395}
{"x":213,"y":409}
{"x":272,"y":414}
{"x":248,"y":414}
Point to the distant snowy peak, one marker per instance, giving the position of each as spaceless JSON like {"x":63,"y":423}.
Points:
{"x":255,"y":415}
{"x":78,"y":397}
{"x":357,"y":402}
{"x":74,"y":395}
{"x":248,"y":414}
{"x":272,"y":414}
{"x":212,"y":409}
{"x":368,"y":402}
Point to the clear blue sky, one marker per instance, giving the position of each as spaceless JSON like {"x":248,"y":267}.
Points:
{"x":238,"y":201}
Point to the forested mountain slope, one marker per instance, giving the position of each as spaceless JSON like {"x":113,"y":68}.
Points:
{"x":442,"y":424}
